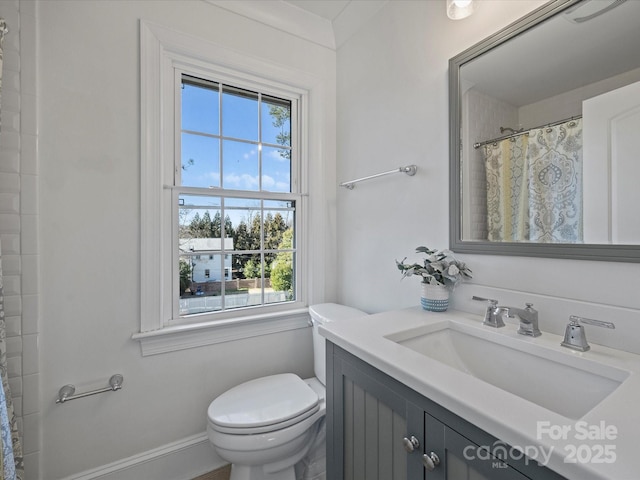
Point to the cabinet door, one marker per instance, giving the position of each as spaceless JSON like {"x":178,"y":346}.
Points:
{"x":374,"y":425}
{"x":366,"y":425}
{"x":458,"y":458}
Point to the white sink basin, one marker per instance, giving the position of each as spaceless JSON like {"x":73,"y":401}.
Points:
{"x":562,"y":382}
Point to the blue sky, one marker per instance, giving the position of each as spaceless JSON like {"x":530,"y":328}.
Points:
{"x":240,"y":120}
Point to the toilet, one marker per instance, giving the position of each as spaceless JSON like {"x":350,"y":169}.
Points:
{"x":272,"y":428}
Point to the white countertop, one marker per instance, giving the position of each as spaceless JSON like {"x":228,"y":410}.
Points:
{"x":614,"y":423}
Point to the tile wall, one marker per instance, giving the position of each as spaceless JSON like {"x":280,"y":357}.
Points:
{"x":19,"y":220}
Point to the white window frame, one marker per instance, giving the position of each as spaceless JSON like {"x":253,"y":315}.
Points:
{"x":164,"y":53}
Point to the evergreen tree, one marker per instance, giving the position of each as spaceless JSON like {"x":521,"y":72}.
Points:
{"x":205,"y":226}
{"x":274,"y":229}
{"x":255,"y":233}
{"x":228,"y":228}
{"x":216,"y":226}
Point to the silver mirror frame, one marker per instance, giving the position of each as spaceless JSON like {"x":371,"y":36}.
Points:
{"x":602,"y":252}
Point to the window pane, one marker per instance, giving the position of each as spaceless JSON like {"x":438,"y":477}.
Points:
{"x":279,"y":236}
{"x":200,"y":161}
{"x":200,"y":108}
{"x":276,"y":121}
{"x":198,"y":294}
{"x":240,"y":165}
{"x":281,"y":279}
{"x":276,"y":169}
{"x":239,"y":113}
{"x":244,"y":220}
{"x":199,"y":224}
{"x":248,"y":284}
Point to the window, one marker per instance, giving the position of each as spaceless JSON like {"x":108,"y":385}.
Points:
{"x":223,"y":233}
{"x":233,"y":181}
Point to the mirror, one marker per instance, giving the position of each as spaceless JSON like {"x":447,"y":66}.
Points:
{"x":543,"y":115}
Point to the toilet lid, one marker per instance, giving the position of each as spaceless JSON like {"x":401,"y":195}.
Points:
{"x":263,"y":402}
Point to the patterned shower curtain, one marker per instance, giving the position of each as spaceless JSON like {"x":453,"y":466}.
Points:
{"x":11,"y":451}
{"x":534,"y":186}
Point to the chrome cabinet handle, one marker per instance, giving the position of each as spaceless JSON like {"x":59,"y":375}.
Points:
{"x":410,"y":444}
{"x":430,"y":461}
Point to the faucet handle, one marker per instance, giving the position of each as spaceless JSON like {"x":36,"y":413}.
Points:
{"x":492,"y":302}
{"x":576,"y":320}
{"x":575,"y":337}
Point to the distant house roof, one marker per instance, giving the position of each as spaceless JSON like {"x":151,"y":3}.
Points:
{"x":205,"y":244}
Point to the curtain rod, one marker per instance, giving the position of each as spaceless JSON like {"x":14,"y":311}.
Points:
{"x":526,"y":132}
{"x":409,"y":170}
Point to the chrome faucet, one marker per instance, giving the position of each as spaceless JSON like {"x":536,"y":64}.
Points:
{"x":575,"y":336}
{"x":527,"y":316}
{"x":493,"y":314}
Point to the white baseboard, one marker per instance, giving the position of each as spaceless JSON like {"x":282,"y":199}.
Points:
{"x":182,"y":460}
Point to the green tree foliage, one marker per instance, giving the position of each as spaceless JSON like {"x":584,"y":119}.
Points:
{"x":274,"y":227}
{"x":282,"y":267}
{"x":255,"y":232}
{"x":252,"y":268}
{"x":281,"y":119}
{"x":216,"y":226}
{"x":185,"y":275}
{"x":228,"y":227}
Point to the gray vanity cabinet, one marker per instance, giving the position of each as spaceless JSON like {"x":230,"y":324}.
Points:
{"x":374,"y":421}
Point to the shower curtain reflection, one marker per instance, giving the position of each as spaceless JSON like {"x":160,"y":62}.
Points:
{"x":534,"y":185}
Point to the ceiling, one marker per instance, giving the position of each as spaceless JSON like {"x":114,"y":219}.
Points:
{"x":327,"y":9}
{"x":328,"y":23}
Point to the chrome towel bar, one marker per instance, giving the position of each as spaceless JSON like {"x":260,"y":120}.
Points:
{"x":409,"y":170}
{"x":67,"y":392}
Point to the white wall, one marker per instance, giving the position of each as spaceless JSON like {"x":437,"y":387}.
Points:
{"x":393,"y":110}
{"x":570,"y":103}
{"x":89,"y":131}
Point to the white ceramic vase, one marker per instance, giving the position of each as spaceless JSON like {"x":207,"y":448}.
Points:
{"x":434,"y":298}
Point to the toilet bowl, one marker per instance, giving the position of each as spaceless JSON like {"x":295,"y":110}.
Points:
{"x":264,"y":427}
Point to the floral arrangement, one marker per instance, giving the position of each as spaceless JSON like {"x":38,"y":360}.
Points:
{"x":439,"y":268}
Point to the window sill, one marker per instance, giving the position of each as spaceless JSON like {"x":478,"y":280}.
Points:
{"x":181,"y":337}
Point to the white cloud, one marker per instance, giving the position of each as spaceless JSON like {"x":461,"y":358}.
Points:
{"x":241,"y":182}
{"x":272,"y":185}
{"x":275,"y":155}
{"x":249,"y":154}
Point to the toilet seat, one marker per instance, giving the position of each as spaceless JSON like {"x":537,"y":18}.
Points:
{"x":263,"y":405}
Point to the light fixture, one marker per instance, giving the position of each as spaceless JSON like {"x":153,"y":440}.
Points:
{"x":457,"y":9}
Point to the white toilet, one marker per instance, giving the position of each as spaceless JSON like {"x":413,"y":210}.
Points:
{"x":264,"y":427}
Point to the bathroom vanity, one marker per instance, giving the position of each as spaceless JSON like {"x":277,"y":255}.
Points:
{"x":379,"y":428}
{"x":403,"y":405}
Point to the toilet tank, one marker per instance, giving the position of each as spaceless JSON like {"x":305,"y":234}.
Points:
{"x":321,"y":314}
